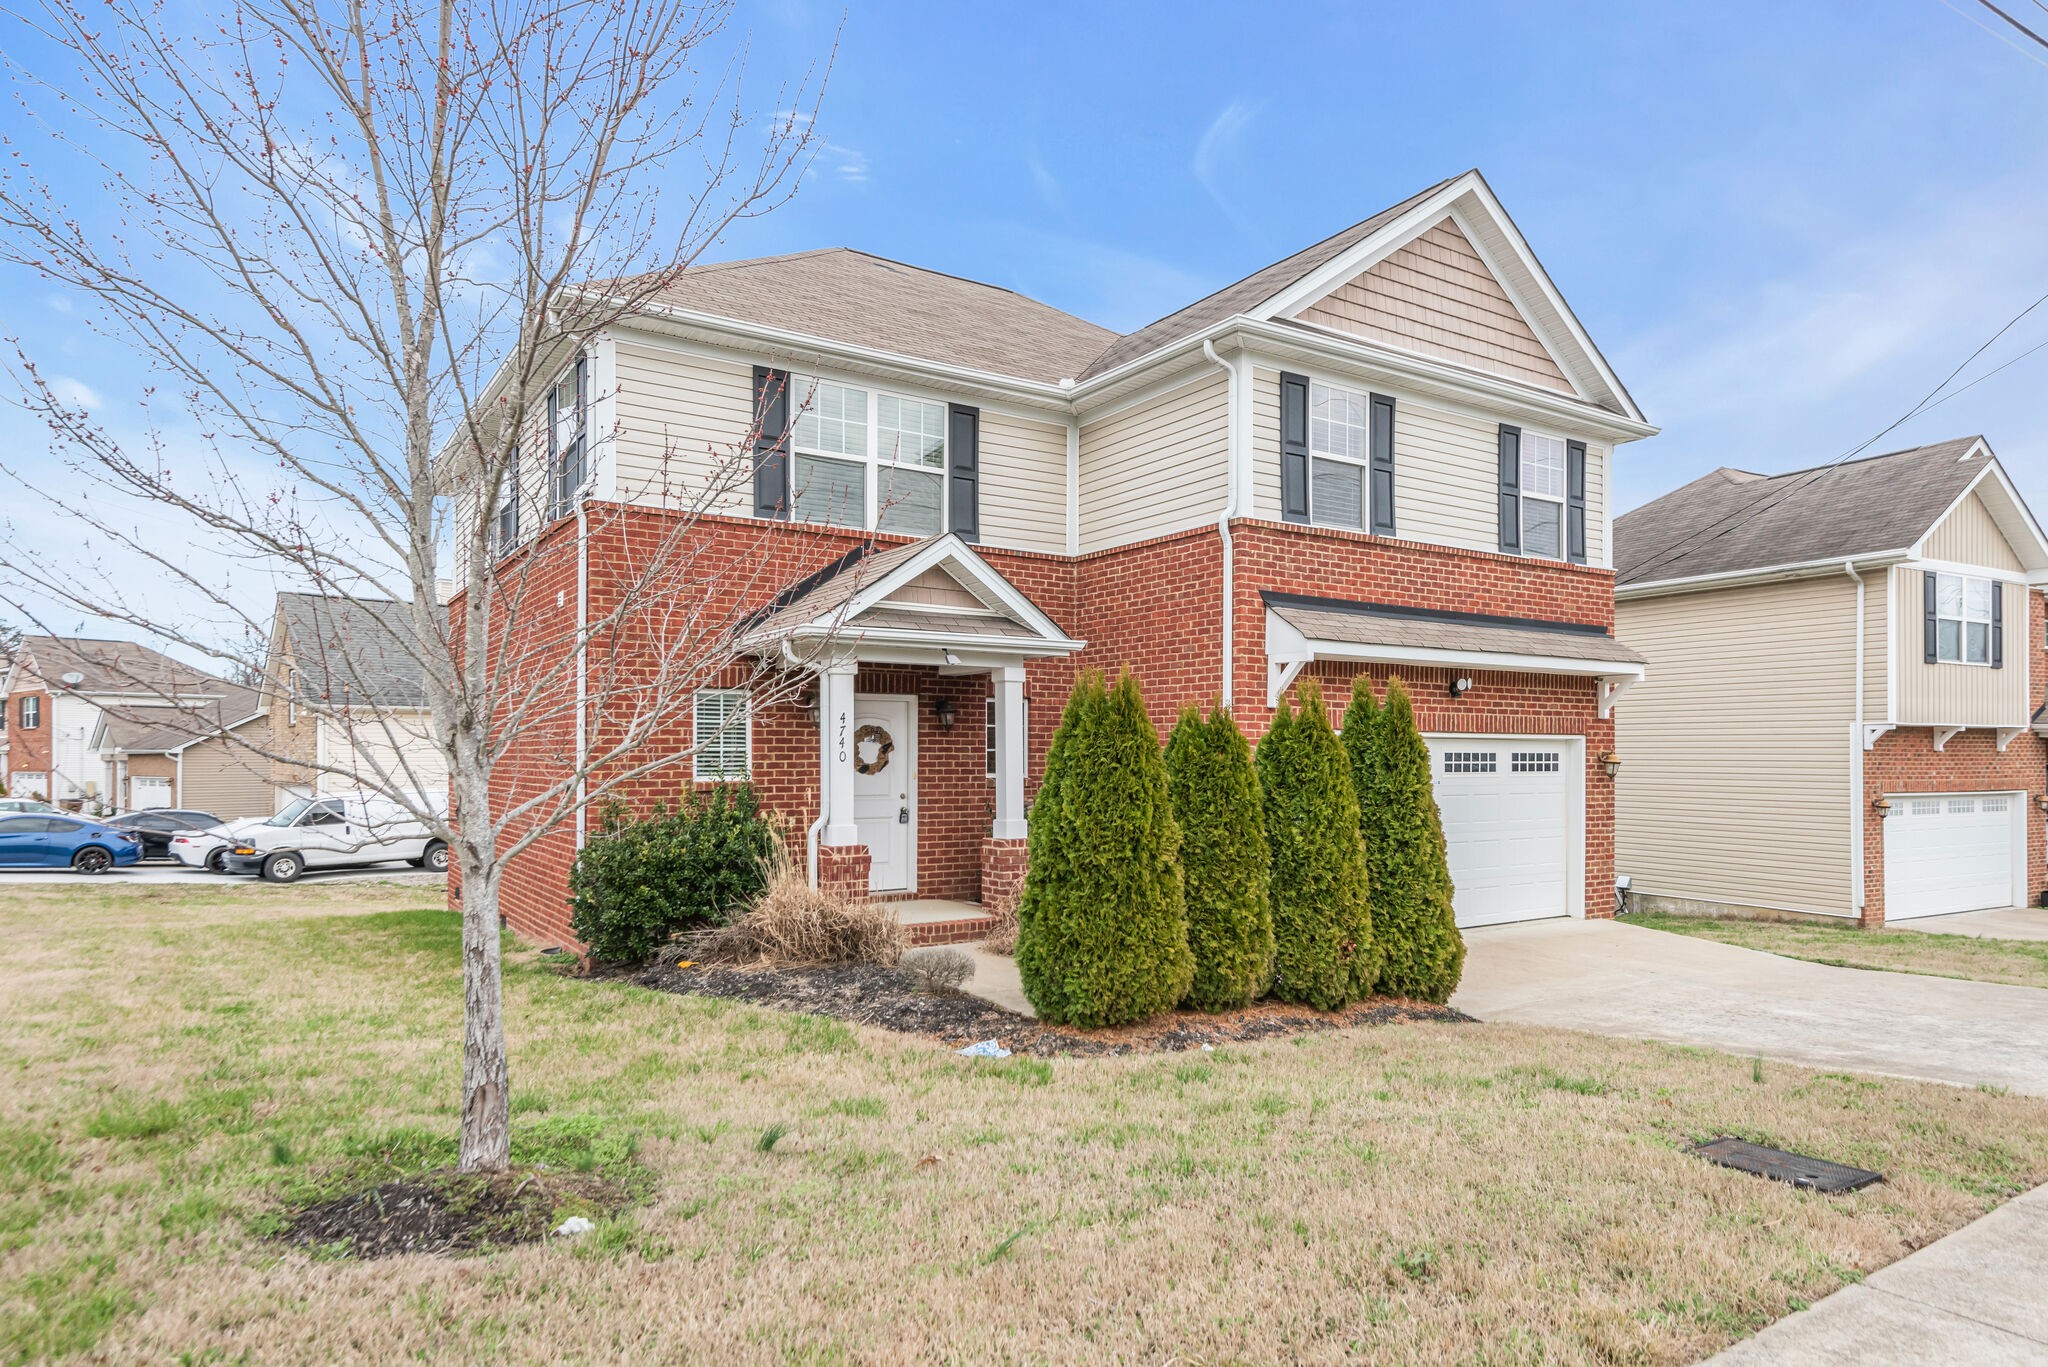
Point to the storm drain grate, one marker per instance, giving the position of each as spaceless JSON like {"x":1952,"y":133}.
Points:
{"x":1815,"y":1174}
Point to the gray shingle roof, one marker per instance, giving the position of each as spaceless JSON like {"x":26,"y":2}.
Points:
{"x":353,"y":650}
{"x":153,"y":730}
{"x":1248,"y":293}
{"x":115,"y":667}
{"x":848,"y":296}
{"x":1733,"y":520}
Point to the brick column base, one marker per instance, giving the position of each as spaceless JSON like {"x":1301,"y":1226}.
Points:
{"x":1002,"y":875}
{"x":844,"y":869}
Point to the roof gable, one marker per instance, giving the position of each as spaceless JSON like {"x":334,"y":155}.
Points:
{"x":87,"y":665}
{"x":1970,"y":535}
{"x":352,"y":651}
{"x":1437,"y":295}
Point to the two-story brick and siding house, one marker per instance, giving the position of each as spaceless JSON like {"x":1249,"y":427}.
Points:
{"x":1388,"y":453}
{"x":1843,"y":709}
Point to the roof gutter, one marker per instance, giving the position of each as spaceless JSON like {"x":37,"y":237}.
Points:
{"x":1768,"y":574}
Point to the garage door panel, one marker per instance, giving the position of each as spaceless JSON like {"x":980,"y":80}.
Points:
{"x":1948,"y":852}
{"x":1507,"y":814}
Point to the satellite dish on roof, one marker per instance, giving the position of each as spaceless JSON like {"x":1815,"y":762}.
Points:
{"x":72,"y":680}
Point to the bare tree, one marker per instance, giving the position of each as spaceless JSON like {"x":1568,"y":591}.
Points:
{"x":357,"y":246}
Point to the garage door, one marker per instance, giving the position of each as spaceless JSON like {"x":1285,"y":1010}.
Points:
{"x":1507,"y":813}
{"x":1947,"y":852}
{"x":146,"y":793}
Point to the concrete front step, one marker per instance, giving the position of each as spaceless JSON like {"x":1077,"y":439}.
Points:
{"x":934,"y":921}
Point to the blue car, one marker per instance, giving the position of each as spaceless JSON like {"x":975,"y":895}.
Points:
{"x":58,"y":842}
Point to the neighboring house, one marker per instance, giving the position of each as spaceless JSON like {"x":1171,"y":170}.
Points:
{"x":1843,"y":709}
{"x":347,"y":706}
{"x":1390,"y":452}
{"x":108,"y":726}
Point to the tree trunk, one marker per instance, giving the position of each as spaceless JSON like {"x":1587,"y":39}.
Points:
{"x":486,"y":1079}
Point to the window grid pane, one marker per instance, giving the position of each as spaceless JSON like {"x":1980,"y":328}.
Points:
{"x":721,"y":729}
{"x":911,"y":431}
{"x":1534,"y":762}
{"x":1542,"y":466}
{"x":1469,"y":762}
{"x":1336,"y":422}
{"x":831,"y":418}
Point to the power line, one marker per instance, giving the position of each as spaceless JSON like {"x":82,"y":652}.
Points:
{"x":2014,"y":22}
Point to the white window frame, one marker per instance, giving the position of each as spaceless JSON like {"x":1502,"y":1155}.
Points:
{"x":875,"y":462}
{"x":1363,"y":461}
{"x":1560,"y":500}
{"x":505,"y":540}
{"x":291,"y":696}
{"x":711,"y":758}
{"x":30,"y":712}
{"x":1964,"y":621}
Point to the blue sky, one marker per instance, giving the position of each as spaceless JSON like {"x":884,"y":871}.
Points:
{"x":1782,"y":223}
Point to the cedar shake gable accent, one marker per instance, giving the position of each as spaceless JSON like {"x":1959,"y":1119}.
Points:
{"x":1732,"y":521}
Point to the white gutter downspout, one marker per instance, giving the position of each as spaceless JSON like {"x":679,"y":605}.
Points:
{"x":1857,"y":899}
{"x":582,"y":657}
{"x":1223,"y":527}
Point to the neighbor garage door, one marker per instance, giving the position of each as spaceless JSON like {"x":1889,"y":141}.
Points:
{"x":1946,"y":852}
{"x":1508,"y":820}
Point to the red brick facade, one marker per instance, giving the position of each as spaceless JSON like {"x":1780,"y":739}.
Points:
{"x":1905,"y":761}
{"x":1154,"y":607}
{"x":28,"y":750}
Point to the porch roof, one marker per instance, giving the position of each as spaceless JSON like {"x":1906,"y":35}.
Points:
{"x":927,"y":602}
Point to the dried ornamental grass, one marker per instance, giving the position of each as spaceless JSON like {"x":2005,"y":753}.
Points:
{"x":795,"y":923}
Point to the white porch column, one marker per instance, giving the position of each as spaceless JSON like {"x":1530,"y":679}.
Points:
{"x":835,"y":737}
{"x":1011,"y":753}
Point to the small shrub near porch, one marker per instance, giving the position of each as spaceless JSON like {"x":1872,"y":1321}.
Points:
{"x":638,"y":883}
{"x":1102,"y":926}
{"x":1225,"y":863}
{"x":1422,"y":954}
{"x":1321,"y":890}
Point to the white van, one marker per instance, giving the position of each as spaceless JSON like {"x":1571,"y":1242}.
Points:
{"x":335,"y":832}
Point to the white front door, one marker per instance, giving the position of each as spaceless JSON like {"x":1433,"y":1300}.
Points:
{"x":885,"y":788}
{"x":1508,"y":814}
{"x":1949,"y":852}
{"x":146,"y":793}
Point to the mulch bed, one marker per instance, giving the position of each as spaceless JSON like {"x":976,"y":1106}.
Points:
{"x":451,"y":1212}
{"x":867,"y":994}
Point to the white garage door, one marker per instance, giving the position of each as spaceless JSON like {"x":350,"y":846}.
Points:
{"x":1507,"y":809}
{"x":145,"y":793}
{"x":1947,"y":852}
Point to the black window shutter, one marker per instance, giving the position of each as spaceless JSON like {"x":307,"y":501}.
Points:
{"x":1510,"y":489}
{"x":1382,"y":431}
{"x":1997,"y":625}
{"x":1293,"y":447}
{"x":1575,"y":502}
{"x":963,"y":468}
{"x":771,"y":451}
{"x":1929,"y":599}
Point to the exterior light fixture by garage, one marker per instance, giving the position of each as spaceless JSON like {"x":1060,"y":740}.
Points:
{"x":808,"y":701}
{"x":947,"y":713}
{"x":1611,"y":762}
{"x":1883,"y":805}
{"x":1460,"y":687}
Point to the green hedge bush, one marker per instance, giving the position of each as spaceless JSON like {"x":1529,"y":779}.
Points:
{"x":1102,"y":927}
{"x":1422,"y":953}
{"x":1321,"y":891}
{"x":638,"y":882}
{"x":1225,"y":863}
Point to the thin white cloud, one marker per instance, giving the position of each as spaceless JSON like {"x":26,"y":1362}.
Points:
{"x":1046,"y":183}
{"x":1221,"y":150}
{"x":848,"y":165}
{"x":76,"y":393}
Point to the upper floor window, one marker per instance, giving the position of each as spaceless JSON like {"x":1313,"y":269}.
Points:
{"x":862,"y":459}
{"x":1339,"y":463}
{"x":31,"y":710}
{"x":1543,"y":495}
{"x":1962,"y":619}
{"x":505,"y":522}
{"x":568,"y":444}
{"x":720,"y":728}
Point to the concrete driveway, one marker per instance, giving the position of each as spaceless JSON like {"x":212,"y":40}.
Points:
{"x":2008,"y":923}
{"x":1616,"y":979}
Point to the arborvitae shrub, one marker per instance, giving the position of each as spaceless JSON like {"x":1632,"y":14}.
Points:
{"x":1102,"y":935}
{"x":1422,"y":952}
{"x":638,"y":882}
{"x":1225,"y":864}
{"x":1321,"y":893}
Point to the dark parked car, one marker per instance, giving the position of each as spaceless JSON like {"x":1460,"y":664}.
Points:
{"x":154,"y":828}
{"x":54,"y":842}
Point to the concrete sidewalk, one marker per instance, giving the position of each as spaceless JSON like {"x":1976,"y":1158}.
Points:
{"x":2008,"y":923}
{"x":1974,"y":1297}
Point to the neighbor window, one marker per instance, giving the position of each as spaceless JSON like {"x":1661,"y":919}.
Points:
{"x":1962,"y":619}
{"x":567,"y":404}
{"x":862,"y":459}
{"x":31,"y":713}
{"x":506,"y":524}
{"x":1337,"y":451}
{"x":991,"y":730}
{"x":1542,"y":488}
{"x":720,"y":730}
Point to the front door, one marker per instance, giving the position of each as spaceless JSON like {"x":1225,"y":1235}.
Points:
{"x":884,"y":788}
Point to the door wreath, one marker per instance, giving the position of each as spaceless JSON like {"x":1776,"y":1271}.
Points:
{"x":878,"y":737}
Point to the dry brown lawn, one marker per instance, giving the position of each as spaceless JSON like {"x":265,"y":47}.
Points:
{"x":180,"y":1061}
{"x":2023,"y":963}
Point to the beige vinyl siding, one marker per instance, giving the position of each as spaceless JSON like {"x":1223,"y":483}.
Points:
{"x":1436,"y":296}
{"x":1959,"y":694}
{"x":1877,"y":643}
{"x":1023,"y":470}
{"x":224,"y":778}
{"x":684,"y":427}
{"x":1158,"y":466}
{"x":397,"y":744}
{"x":1735,"y":776}
{"x":1265,"y":500}
{"x":1970,"y":536}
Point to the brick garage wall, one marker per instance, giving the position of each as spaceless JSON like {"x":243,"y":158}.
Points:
{"x":1905,"y":761}
{"x":28,"y":752}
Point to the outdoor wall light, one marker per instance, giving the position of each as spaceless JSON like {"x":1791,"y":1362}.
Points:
{"x":808,"y":701}
{"x":1611,"y":762}
{"x":947,"y":713}
{"x":1883,"y":805}
{"x":1460,"y":687}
